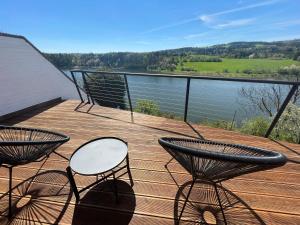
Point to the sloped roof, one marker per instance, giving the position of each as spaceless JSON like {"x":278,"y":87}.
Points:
{"x":33,"y":46}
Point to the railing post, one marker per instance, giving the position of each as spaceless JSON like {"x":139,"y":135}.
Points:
{"x":76,"y":85}
{"x":282,"y":108}
{"x":128,"y":93}
{"x":187,"y":94}
{"x":87,"y":88}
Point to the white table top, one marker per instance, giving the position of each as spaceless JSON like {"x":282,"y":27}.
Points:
{"x":98,"y":156}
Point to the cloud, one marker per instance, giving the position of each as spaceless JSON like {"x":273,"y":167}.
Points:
{"x":235,"y":23}
{"x":198,"y":35}
{"x":288,"y":23}
{"x":182,"y":22}
{"x":241,"y":2}
{"x":207,"y":18}
{"x":143,"y":42}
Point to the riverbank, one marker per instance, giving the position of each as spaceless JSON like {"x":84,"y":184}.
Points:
{"x":279,"y":69}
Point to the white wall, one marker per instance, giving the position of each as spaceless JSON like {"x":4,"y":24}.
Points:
{"x":27,"y":78}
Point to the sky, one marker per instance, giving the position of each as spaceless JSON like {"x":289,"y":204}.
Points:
{"x":98,"y":26}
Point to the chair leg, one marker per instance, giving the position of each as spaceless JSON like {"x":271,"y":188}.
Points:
{"x":73,"y":184}
{"x":219,"y":201}
{"x":169,"y":162}
{"x":60,"y":155}
{"x":10,"y":193}
{"x":115,"y":188}
{"x":186,"y":200}
{"x":129,"y":172}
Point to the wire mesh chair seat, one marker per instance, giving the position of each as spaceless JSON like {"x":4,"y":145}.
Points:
{"x":215,"y":161}
{"x":21,"y":145}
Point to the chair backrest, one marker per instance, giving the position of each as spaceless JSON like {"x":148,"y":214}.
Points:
{"x":218,"y":161}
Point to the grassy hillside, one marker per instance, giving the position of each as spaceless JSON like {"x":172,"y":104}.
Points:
{"x":266,"y":59}
{"x":236,"y":66}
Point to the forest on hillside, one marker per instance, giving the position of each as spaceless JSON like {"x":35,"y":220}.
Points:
{"x":175,"y":59}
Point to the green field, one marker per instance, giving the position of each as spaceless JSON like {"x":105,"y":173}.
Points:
{"x":235,"y":66}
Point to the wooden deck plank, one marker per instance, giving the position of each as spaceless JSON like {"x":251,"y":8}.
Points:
{"x":140,"y":206}
{"x":103,"y":198}
{"x":269,"y":202}
{"x":272,"y":195}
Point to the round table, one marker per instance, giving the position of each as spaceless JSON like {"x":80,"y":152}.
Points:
{"x":98,"y":157}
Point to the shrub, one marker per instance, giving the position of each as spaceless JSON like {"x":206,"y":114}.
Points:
{"x":255,"y":126}
{"x":227,"y":125}
{"x":170,"y":116}
{"x":247,"y":71}
{"x":292,"y":70}
{"x":202,"y":58}
{"x":288,"y":127}
{"x":147,"y":107}
{"x":261,"y":71}
{"x":188,"y":69}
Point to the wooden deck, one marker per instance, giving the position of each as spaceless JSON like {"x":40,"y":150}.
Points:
{"x":269,"y":197}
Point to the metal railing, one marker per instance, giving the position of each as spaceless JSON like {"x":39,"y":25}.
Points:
{"x":180,"y":98}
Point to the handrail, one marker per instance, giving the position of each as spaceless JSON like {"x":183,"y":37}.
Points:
{"x":248,"y":80}
{"x":295,"y":85}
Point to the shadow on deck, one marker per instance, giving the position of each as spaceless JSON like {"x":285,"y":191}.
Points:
{"x":42,"y":193}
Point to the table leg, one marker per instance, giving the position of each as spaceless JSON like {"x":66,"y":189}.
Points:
{"x":73,"y":184}
{"x":115,"y":188}
{"x":128,"y":170}
{"x":9,"y":194}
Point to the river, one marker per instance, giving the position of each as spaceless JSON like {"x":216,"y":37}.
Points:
{"x":210,"y":100}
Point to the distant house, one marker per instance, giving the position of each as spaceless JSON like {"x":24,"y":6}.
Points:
{"x":252,"y":56}
{"x":27,"y":78}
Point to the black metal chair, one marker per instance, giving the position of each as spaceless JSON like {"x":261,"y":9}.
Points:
{"x":214,"y":162}
{"x":20,"y":145}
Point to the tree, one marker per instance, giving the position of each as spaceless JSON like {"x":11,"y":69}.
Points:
{"x":107,"y":89}
{"x":267,"y":100}
{"x":297,"y":56}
